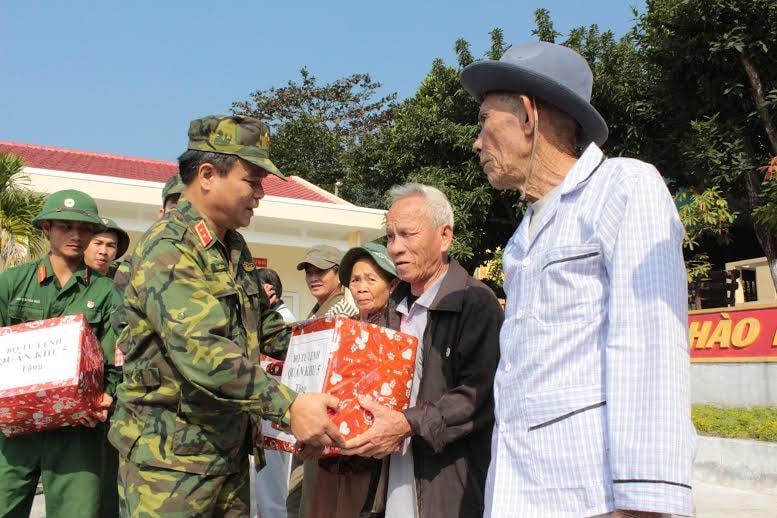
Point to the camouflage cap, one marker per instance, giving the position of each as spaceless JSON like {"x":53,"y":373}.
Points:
{"x":321,"y":256}
{"x":121,"y":236}
{"x":245,"y":137}
{"x":173,"y":185}
{"x":70,"y":205}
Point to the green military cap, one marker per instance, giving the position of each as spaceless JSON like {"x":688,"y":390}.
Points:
{"x":70,"y":205}
{"x":321,"y":256}
{"x":121,"y":236}
{"x":173,"y":185}
{"x":245,"y":137}
{"x":374,"y":251}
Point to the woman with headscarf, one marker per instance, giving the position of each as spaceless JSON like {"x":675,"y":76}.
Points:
{"x":345,"y":486}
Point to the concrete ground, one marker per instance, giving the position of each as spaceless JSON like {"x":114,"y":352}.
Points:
{"x":711,"y":502}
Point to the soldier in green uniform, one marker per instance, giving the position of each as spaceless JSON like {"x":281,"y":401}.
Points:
{"x":103,"y":249}
{"x":197,"y":318}
{"x":67,"y":459}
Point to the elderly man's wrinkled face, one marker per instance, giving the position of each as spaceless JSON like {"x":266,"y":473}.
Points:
{"x":419,"y":250}
{"x":503,"y":144}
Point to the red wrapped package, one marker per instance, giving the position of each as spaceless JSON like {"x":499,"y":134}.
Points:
{"x":345,"y":358}
{"x":51,"y":374}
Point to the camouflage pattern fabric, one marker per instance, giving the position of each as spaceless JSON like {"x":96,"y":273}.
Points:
{"x":120,"y":273}
{"x":197,"y":318}
{"x":245,"y":137}
{"x":173,"y":185}
{"x":149,"y":492}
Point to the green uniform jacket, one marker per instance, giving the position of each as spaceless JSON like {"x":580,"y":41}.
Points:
{"x":192,"y":380}
{"x":31,"y":292}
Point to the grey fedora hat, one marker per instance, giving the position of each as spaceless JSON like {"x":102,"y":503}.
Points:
{"x":553,"y":73}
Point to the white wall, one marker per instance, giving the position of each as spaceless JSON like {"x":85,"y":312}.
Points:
{"x":734,"y":384}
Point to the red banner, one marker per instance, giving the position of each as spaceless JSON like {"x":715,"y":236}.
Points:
{"x":733,"y":335}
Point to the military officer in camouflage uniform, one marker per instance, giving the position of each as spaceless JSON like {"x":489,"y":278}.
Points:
{"x":171,"y":193}
{"x":67,"y":459}
{"x":197,"y":318}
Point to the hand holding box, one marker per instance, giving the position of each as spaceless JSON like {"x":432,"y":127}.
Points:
{"x":345,"y":358}
{"x":51,"y":375}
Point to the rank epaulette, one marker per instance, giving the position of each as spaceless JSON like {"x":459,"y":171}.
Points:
{"x":203,"y":234}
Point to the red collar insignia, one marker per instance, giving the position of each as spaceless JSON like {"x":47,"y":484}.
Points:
{"x":248,"y":266}
{"x":203,"y":233}
{"x":41,"y":273}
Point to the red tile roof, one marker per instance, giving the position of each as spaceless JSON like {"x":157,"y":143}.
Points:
{"x":100,"y":164}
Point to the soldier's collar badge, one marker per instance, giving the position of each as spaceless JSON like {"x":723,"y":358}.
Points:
{"x":249,"y":266}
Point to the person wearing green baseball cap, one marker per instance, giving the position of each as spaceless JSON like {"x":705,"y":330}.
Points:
{"x":69,"y":459}
{"x":106,"y":246}
{"x":197,"y":318}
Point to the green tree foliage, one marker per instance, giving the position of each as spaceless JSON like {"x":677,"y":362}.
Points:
{"x":345,"y":105}
{"x":430,"y":141}
{"x":317,"y":125}
{"x":19,"y":238}
{"x":680,"y":90}
{"x":704,"y":214}
{"x":717,"y":86}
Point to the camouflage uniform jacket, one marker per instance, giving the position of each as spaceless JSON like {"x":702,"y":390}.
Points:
{"x":192,"y":380}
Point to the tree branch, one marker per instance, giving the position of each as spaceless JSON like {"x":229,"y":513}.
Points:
{"x":760,"y":101}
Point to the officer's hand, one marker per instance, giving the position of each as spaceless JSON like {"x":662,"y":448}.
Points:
{"x":310,"y":422}
{"x":100,"y":416}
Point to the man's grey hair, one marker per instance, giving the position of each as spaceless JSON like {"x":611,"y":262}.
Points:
{"x":438,"y":208}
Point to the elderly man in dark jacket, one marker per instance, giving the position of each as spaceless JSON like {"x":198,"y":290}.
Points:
{"x":451,"y":413}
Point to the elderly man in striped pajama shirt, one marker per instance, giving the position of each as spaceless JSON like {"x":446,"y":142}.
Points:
{"x":592,"y":390}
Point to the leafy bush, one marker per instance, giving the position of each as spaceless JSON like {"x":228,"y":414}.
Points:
{"x":755,"y":422}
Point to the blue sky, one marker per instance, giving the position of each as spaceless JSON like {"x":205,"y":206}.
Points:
{"x":127,"y":77}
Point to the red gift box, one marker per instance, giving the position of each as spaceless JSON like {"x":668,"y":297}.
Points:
{"x":51,"y":374}
{"x":345,"y":358}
